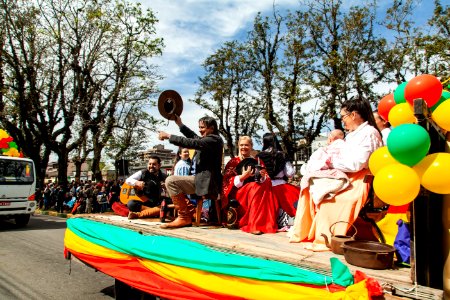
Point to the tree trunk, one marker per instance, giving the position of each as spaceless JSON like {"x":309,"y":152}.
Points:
{"x":63,"y":161}
{"x":78,"y":163}
{"x":97,"y":173}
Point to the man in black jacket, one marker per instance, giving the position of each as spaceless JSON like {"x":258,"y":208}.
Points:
{"x":206,"y":178}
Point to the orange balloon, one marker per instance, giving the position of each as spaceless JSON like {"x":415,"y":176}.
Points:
{"x":425,"y":86}
{"x":385,"y":105}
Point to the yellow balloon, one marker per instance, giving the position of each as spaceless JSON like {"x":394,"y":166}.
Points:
{"x":3,"y":134}
{"x":441,"y":115}
{"x":434,"y":172}
{"x":379,"y":159}
{"x":396,"y":184}
{"x":12,"y":152}
{"x":401,"y":114}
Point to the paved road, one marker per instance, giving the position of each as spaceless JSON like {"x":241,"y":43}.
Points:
{"x":32,"y":265}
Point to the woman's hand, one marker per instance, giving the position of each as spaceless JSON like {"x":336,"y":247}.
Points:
{"x":246,"y":173}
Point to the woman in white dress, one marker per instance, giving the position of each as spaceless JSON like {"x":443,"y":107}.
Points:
{"x":362,"y":140}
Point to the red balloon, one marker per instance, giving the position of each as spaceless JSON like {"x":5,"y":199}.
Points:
{"x":385,"y":105}
{"x":425,"y":86}
{"x":4,"y":142}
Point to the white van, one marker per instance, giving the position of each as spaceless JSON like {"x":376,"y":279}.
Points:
{"x":17,"y":188}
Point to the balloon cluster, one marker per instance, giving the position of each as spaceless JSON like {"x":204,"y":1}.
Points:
{"x":403,"y":165}
{"x":7,"y":146}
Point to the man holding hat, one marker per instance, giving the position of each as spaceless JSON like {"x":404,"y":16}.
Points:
{"x":206,"y":178}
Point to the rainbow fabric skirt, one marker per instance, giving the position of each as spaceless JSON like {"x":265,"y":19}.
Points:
{"x":175,"y":268}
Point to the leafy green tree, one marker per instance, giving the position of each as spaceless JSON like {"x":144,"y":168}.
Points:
{"x":227,"y":82}
{"x":330,"y":54}
{"x":293,"y":89}
{"x":130,"y":80}
{"x":435,"y":44}
{"x":400,"y":54}
{"x":265,"y":40}
{"x":345,"y":52}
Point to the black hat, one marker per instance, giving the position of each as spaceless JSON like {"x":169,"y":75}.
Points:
{"x":170,"y":104}
{"x":243,"y":164}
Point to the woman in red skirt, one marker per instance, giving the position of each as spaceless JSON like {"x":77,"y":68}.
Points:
{"x":257,"y":207}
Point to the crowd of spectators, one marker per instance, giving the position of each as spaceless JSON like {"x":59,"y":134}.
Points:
{"x":79,"y":197}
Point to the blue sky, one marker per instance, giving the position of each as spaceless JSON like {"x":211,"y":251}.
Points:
{"x":194,"y":29}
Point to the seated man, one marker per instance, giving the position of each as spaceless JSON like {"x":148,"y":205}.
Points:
{"x":362,"y":140}
{"x":206,"y":178}
{"x":148,"y":185}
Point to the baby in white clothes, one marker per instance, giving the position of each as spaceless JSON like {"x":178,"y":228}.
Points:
{"x":319,"y":159}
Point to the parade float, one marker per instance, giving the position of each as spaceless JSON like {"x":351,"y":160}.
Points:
{"x":208,"y":262}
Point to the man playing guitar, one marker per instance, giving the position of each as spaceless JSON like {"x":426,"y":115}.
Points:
{"x":148,"y":185}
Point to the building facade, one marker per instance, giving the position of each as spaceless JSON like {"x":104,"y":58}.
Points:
{"x":51,"y":173}
{"x":167,"y":157}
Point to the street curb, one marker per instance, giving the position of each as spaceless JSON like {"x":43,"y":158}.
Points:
{"x":52,"y":213}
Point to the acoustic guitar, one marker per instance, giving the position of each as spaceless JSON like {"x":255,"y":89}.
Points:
{"x":128,"y":193}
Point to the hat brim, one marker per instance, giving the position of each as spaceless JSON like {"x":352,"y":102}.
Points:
{"x":245,"y":163}
{"x":170,"y":104}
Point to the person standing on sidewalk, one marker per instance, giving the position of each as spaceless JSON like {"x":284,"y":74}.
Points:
{"x":60,"y":199}
{"x":88,"y":195}
{"x":206,"y":178}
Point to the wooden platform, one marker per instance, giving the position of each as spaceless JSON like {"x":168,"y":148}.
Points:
{"x":274,"y":247}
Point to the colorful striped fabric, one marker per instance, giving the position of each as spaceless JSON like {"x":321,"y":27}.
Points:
{"x":180,"y":269}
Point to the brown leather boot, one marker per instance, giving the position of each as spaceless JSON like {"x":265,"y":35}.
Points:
{"x":147,"y":212}
{"x":184,"y":218}
{"x":132,"y":215}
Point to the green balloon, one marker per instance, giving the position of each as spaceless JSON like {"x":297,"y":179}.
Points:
{"x":445,"y":96}
{"x":399,"y":93}
{"x":408,"y":143}
{"x":12,"y":145}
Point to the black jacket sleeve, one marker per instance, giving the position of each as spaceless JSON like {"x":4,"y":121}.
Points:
{"x":193,"y":143}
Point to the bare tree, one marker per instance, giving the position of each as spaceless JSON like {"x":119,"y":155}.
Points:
{"x":25,"y":112}
{"x":73,"y":64}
